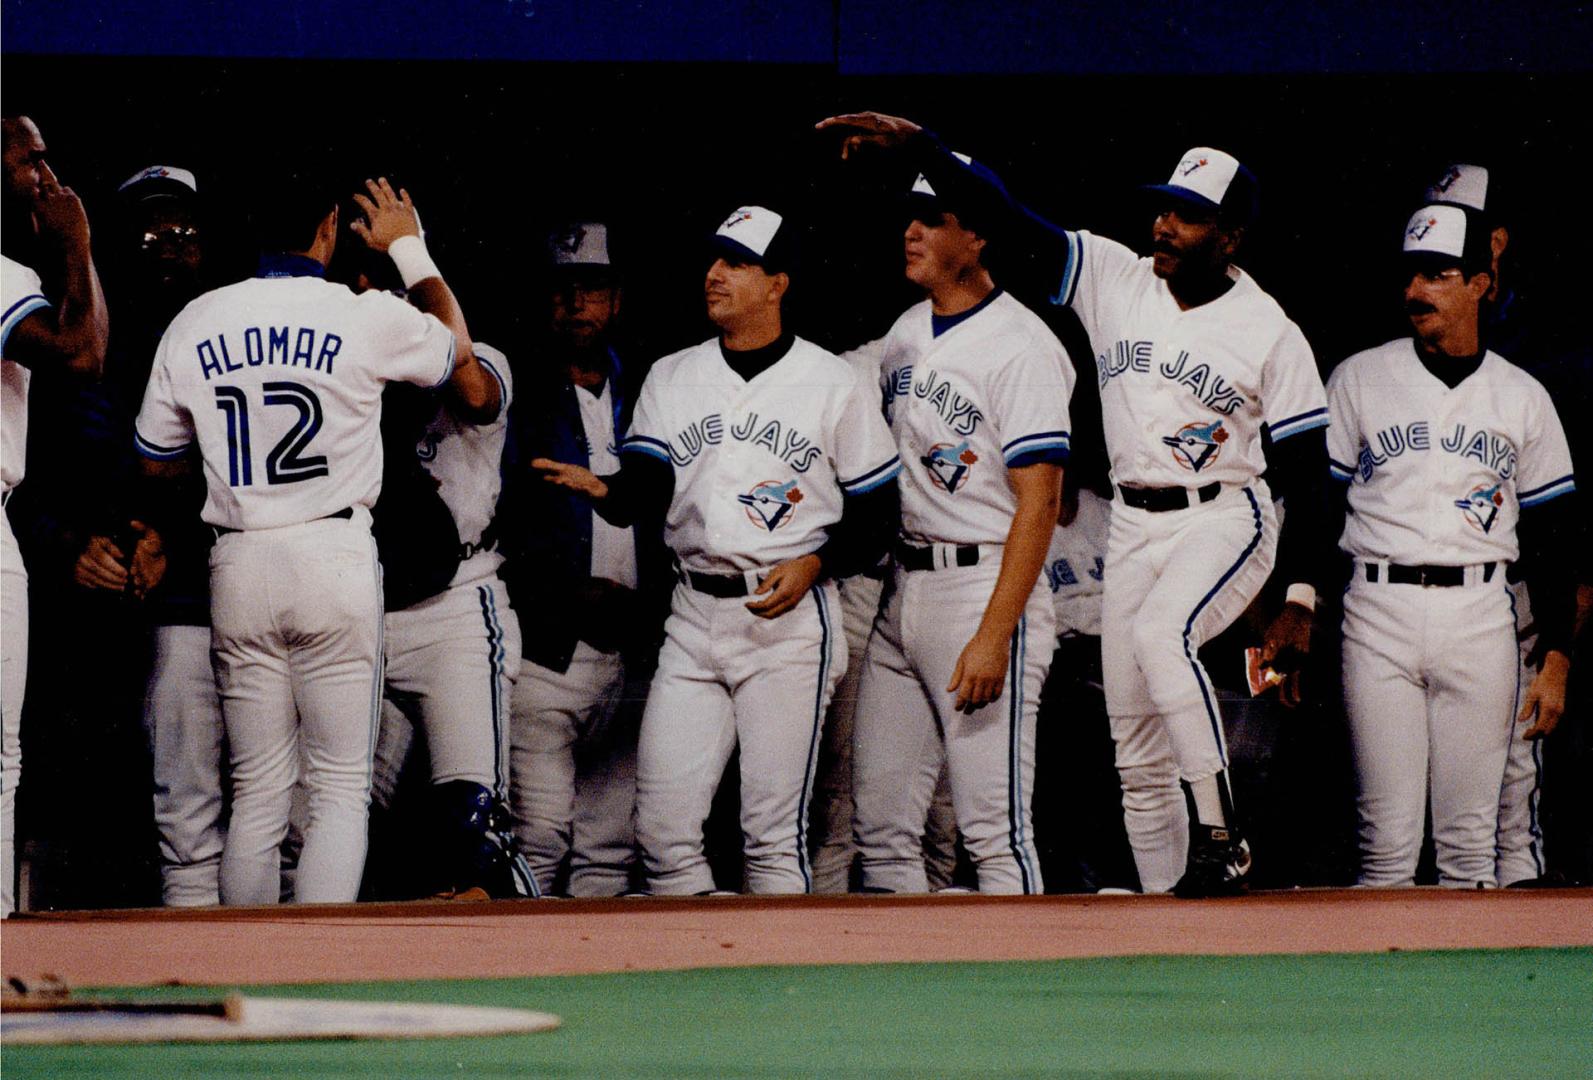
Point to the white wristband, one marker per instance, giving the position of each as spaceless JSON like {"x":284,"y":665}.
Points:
{"x":412,"y":260}
{"x":1302,"y":594}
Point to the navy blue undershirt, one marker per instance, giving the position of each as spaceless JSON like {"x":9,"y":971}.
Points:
{"x":285,"y":264}
{"x":939,"y":324}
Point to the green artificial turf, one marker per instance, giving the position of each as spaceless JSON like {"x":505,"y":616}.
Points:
{"x":1523,"y":1012}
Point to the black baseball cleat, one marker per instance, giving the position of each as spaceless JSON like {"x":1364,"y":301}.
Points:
{"x":1219,"y":862}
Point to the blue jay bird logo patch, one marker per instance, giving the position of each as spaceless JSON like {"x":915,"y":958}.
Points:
{"x":949,"y":464}
{"x":1481,"y":506}
{"x":771,"y":504}
{"x":1197,"y":445}
{"x":1420,"y":229}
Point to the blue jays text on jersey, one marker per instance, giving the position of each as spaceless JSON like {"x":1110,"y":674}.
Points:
{"x":1198,"y":378}
{"x":960,"y":414}
{"x":1487,"y":447}
{"x":270,"y":346}
{"x":782,"y":440}
{"x":1059,"y":573}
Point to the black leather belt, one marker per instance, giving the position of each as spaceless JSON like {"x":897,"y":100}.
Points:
{"x":909,"y":557}
{"x":1161,"y":500}
{"x":346,"y":513}
{"x":720,"y":586}
{"x":1440,"y":577}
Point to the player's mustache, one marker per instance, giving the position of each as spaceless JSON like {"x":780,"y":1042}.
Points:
{"x":1419,"y":307}
{"x":1163,"y":247}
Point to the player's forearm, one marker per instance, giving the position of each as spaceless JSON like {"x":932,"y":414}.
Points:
{"x":861,"y":538}
{"x":1028,"y":541}
{"x":473,"y":389}
{"x":1545,"y":533}
{"x":1299,"y":469}
{"x":83,"y":320}
{"x":639,"y":494}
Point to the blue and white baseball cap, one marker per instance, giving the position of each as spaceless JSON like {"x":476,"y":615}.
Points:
{"x":1447,"y":235}
{"x":1213,"y":180}
{"x":580,"y":245}
{"x":754,"y":234}
{"x":1461,"y":185}
{"x":159,"y":182}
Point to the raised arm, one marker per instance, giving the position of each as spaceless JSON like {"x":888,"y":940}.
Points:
{"x":73,"y":334}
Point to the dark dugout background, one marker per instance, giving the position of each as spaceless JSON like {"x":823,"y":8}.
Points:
{"x":506,"y":116}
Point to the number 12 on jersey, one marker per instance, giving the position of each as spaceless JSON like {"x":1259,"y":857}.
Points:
{"x":286,"y":463}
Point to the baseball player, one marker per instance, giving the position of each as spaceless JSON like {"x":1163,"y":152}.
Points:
{"x":68,"y":335}
{"x":574,"y":728}
{"x":767,"y":456}
{"x":278,"y":381}
{"x":976,"y":390}
{"x":1455,"y":460}
{"x":452,"y":653}
{"x":1193,"y":362}
{"x":1507,"y":329}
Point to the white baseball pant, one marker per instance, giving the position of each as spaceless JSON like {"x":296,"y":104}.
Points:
{"x":296,"y":618}
{"x":451,"y":662}
{"x":1518,"y":847}
{"x":13,"y":685}
{"x":726,"y":676}
{"x":573,"y":759}
{"x":907,"y":727}
{"x":187,"y":739}
{"x":1430,"y":690}
{"x":1173,"y":581}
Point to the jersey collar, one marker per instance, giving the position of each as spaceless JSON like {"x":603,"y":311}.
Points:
{"x":939,"y":324}
{"x":285,"y":264}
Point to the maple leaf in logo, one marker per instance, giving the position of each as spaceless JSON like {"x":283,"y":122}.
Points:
{"x":1220,"y":435}
{"x":794,"y":496}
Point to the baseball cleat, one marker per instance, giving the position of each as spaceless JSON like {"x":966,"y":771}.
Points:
{"x":1219,"y":862}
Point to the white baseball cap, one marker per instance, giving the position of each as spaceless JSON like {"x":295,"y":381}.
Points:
{"x":1447,"y":234}
{"x":1213,"y":179}
{"x":921,"y":186}
{"x":749,"y":234}
{"x":159,"y":182}
{"x":1463,"y":185}
{"x":580,"y":244}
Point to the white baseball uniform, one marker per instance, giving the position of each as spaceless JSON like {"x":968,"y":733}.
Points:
{"x":1075,"y":567}
{"x":760,"y":468}
{"x":20,"y":296}
{"x":451,"y":659}
{"x":278,"y":379}
{"x":573,"y":737}
{"x":1437,"y":478}
{"x":1518,"y":845}
{"x":1185,"y":396}
{"x":988,"y":392}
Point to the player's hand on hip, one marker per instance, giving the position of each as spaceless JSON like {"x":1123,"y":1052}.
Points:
{"x":149,"y":559}
{"x":59,"y":212}
{"x":100,"y":565}
{"x":784,"y":587}
{"x":1285,"y":647}
{"x":389,"y":215}
{"x":869,"y":128}
{"x":1546,"y":696}
{"x":980,"y":674}
{"x":573,"y":477}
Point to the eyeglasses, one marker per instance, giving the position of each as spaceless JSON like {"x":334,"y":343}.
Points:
{"x":1452,"y":273}
{"x":176,"y":235}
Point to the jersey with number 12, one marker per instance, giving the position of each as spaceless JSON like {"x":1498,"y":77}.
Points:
{"x":279,"y":381}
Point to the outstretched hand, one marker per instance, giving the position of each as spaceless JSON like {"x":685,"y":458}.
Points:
{"x":1546,"y":697}
{"x":575,"y":478}
{"x":389,"y":215}
{"x":1285,"y":647}
{"x":869,"y":128}
{"x":784,"y":587}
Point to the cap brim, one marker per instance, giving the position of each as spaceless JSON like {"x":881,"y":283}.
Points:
{"x":1182,"y":195}
{"x":734,"y":251}
{"x":157,"y":187}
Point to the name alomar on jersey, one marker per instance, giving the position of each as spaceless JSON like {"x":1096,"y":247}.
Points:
{"x":1487,"y":447}
{"x":1198,"y":378}
{"x":270,"y":346}
{"x":782,"y":440}
{"x":960,"y":414}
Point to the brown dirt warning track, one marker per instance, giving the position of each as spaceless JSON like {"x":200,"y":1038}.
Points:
{"x":432,"y":940}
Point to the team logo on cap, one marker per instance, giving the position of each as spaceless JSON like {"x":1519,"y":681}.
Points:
{"x":569,"y":241}
{"x":772,"y":504}
{"x":736,"y":219}
{"x":949,"y":464}
{"x":1449,"y":179}
{"x":1420,"y":229}
{"x":1197,"y":445}
{"x":1481,"y":506}
{"x":1189,"y":165}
